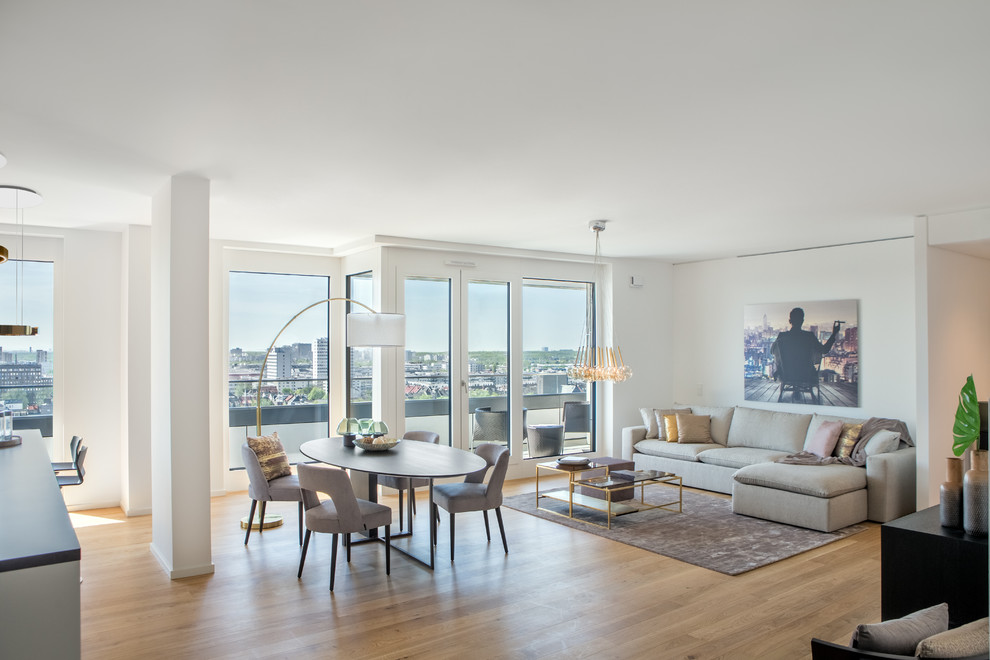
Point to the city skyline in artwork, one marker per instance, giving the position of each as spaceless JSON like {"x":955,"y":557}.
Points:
{"x":783,"y":364}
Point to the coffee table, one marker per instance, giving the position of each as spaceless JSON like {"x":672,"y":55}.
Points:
{"x":620,"y":481}
{"x":574,"y":473}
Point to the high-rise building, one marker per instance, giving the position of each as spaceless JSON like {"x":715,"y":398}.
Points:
{"x":321,"y":359}
{"x":279,"y":365}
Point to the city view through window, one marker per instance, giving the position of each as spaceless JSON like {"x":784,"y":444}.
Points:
{"x":27,"y":364}
{"x":294,"y":394}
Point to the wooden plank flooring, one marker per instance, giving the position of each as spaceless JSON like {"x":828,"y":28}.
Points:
{"x":841,"y":394}
{"x":560,"y":593}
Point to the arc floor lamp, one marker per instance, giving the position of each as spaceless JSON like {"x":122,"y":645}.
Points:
{"x":370,"y":330}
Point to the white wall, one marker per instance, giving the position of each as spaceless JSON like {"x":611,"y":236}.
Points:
{"x":643,"y":328}
{"x":91,"y":361}
{"x":958,"y":325}
{"x":707,"y":313}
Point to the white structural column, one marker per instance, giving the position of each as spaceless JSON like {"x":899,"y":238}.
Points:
{"x":180,"y":416}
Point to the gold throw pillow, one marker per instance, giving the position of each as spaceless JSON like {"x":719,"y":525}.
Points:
{"x":847,"y":440}
{"x":694,"y":428}
{"x":271,"y":455}
{"x":670,"y":425}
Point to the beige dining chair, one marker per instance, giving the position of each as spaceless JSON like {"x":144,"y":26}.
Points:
{"x":409,"y":484}
{"x":280,"y":489}
{"x":343,"y":513}
{"x":474,"y":495}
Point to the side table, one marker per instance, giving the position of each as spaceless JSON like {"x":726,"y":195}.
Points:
{"x":924,"y":564}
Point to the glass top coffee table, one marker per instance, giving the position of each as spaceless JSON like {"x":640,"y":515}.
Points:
{"x":620,"y":481}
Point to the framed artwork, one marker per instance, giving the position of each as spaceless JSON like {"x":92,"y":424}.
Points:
{"x":803,"y":352}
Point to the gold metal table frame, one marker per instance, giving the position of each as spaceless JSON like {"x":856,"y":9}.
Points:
{"x":608,"y":485}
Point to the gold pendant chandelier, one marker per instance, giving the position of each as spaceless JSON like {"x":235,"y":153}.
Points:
{"x":599,"y":363}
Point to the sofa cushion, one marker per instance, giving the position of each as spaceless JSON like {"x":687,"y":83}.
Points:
{"x":815,"y":480}
{"x":768,"y":429}
{"x":965,"y":641}
{"x":817,"y":420}
{"x":650,"y":422}
{"x":903,"y":635}
{"x":882,"y":442}
{"x":663,"y":449}
{"x":824,"y":439}
{"x":721,"y":420}
{"x":670,"y":428}
{"x":737,"y":457}
{"x":847,"y":440}
{"x":694,"y":428}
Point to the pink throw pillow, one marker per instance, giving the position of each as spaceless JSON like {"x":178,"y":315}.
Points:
{"x":823,"y":442}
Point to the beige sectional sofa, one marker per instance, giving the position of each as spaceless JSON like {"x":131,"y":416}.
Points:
{"x":740,"y":456}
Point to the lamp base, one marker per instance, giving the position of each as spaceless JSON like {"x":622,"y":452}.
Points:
{"x":349,"y":439}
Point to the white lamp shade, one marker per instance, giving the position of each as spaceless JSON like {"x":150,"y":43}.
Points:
{"x":364,"y":330}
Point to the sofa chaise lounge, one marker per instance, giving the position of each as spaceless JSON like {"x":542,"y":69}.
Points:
{"x":738,"y":457}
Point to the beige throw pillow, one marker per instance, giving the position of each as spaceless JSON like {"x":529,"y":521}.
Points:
{"x":902,"y":636}
{"x":694,"y":428}
{"x":661,"y":425}
{"x":650,"y":422}
{"x":271,"y":455}
{"x":962,"y":642}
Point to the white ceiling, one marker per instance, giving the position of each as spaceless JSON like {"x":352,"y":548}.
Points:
{"x":700,"y":128}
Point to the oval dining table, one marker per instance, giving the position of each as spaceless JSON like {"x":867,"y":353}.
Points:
{"x":407,"y":459}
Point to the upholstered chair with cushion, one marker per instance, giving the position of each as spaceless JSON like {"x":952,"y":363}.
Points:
{"x":409,"y":484}
{"x":474,"y":495}
{"x":921,"y":634}
{"x":280,"y":486}
{"x":64,"y":466}
{"x":343,"y":513}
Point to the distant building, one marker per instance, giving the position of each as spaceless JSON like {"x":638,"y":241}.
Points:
{"x":41,"y":356}
{"x":321,"y":358}
{"x":550,"y":383}
{"x":22,"y":374}
{"x":279,"y":365}
{"x":302,"y":351}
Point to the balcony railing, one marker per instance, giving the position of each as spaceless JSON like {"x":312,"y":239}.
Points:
{"x":299,"y":423}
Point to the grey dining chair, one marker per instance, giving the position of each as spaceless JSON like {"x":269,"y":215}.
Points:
{"x":474,"y":495}
{"x":281,"y":489}
{"x":80,"y":472}
{"x":409,"y":484}
{"x":62,"y":466}
{"x":343,"y":513}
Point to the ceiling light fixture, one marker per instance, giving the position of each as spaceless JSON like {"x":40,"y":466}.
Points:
{"x":599,"y":363}
{"x":18,"y":198}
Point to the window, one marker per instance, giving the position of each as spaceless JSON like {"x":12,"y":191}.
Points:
{"x":27,"y":364}
{"x":554,"y":322}
{"x":294,"y":398}
{"x":360,"y":361}
{"x":427,"y":358}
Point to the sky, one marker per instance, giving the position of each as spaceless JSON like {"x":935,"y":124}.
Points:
{"x":261,"y":303}
{"x":816,"y":312}
{"x":38,"y":295}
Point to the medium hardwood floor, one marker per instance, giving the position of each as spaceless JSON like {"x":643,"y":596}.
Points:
{"x":559,"y":593}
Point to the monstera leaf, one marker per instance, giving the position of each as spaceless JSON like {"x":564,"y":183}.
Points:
{"x":966,"y":430}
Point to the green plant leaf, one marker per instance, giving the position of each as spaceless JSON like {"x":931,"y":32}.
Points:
{"x":966,"y":430}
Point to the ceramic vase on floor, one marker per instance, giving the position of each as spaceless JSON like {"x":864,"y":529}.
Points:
{"x":975,"y":495}
{"x":950,"y":498}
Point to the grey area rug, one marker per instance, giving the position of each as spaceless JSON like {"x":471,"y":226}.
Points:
{"x":706,"y":534}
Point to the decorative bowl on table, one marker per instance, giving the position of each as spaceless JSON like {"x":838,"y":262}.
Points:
{"x":376,"y":444}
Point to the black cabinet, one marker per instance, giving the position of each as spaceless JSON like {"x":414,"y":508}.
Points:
{"x":924,"y":564}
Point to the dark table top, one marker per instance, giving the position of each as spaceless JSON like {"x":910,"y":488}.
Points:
{"x":34,"y":525}
{"x":928,"y":521}
{"x":407,"y":459}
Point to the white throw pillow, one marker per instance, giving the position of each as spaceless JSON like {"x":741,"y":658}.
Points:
{"x":882,"y":442}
